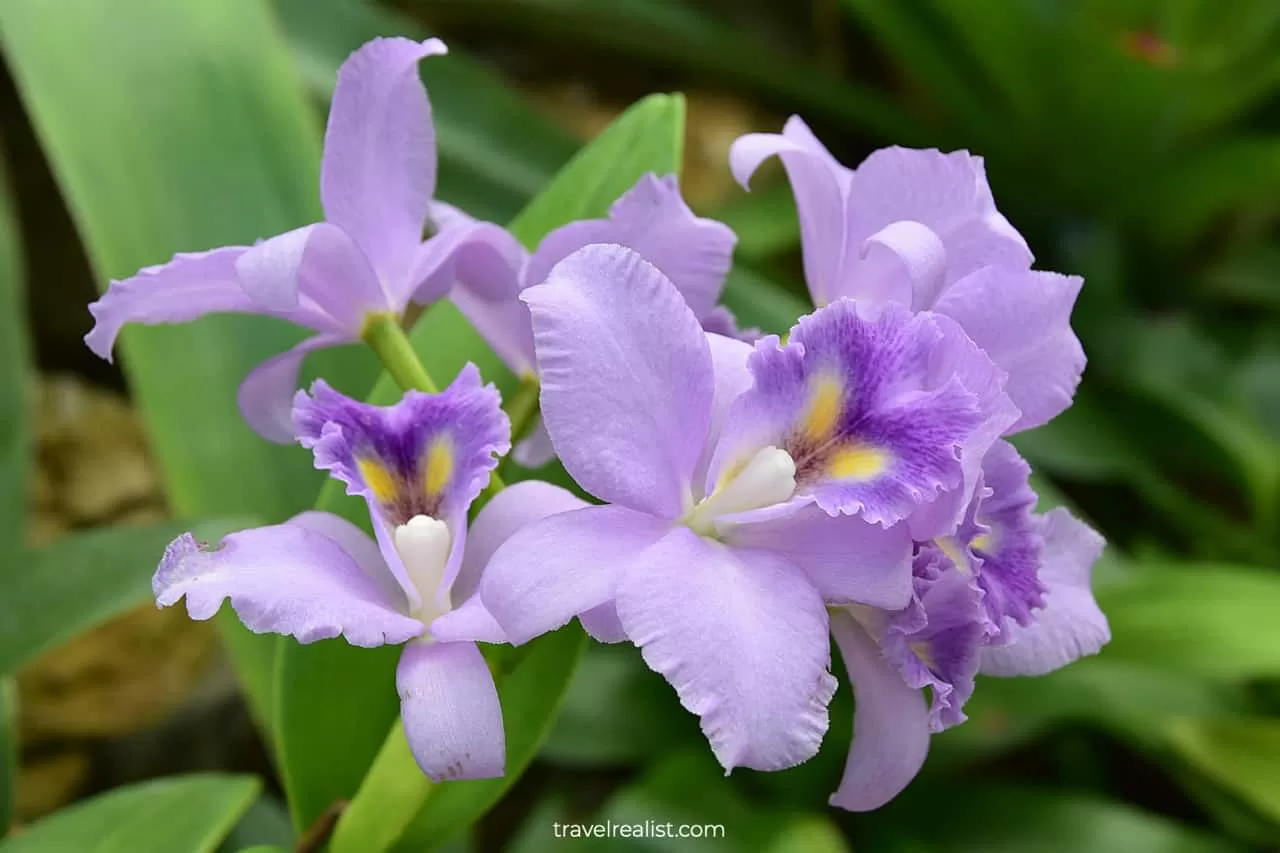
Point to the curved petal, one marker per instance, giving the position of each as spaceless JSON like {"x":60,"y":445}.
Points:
{"x":603,"y":624}
{"x":555,"y":569}
{"x":903,"y":262}
{"x":1022,"y":319}
{"x":379,"y":168}
{"x":316,"y":263}
{"x":506,"y":326}
{"x":452,"y":718}
{"x":359,"y":546}
{"x":729,"y":359}
{"x":1071,"y":625}
{"x":266,"y":395}
{"x":742,"y":637}
{"x":820,"y":185}
{"x":653,"y":219}
{"x":890,"y":723}
{"x":512,"y":509}
{"x":188,"y":287}
{"x":283,"y":579}
{"x":627,"y":378}
{"x":848,"y":560}
{"x":482,"y":257}
{"x":535,"y":449}
{"x":948,"y":193}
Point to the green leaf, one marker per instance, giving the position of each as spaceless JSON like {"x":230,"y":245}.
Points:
{"x":84,"y":579}
{"x":337,"y":704}
{"x":265,"y":823}
{"x":1241,"y":755}
{"x":181,"y":814}
{"x":648,"y":137}
{"x":617,"y":711}
{"x":756,"y":301}
{"x":1208,"y":620}
{"x":14,"y":427}
{"x":179,"y":127}
{"x":998,"y":819}
{"x":9,"y":748}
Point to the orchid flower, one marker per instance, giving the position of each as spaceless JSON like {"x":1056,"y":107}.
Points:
{"x":1007,"y":594}
{"x":920,"y":229}
{"x":367,"y":259}
{"x":715,"y":552}
{"x":419,"y":465}
{"x":651,"y":218}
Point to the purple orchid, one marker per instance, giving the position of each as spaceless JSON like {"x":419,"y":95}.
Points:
{"x":367,"y":259}
{"x":1007,"y":594}
{"x":419,"y":465}
{"x":653,"y":219}
{"x":716,"y":553}
{"x":919,"y":228}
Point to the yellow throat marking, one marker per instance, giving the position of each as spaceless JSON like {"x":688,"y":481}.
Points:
{"x":378,"y":479}
{"x":857,"y":462}
{"x":439,"y":468}
{"x":826,"y":404}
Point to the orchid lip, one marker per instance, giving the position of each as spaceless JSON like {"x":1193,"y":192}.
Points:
{"x":768,"y":478}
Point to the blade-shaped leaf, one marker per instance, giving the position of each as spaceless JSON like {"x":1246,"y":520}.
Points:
{"x":184,"y":814}
{"x":14,"y":428}
{"x":82,"y":580}
{"x":337,"y":704}
{"x":8,"y":752}
{"x":1242,"y":755}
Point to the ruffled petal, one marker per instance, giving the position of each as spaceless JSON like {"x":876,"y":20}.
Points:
{"x":266,"y":395}
{"x":890,"y":723}
{"x":848,"y":560}
{"x":820,"y":185}
{"x":742,"y":637}
{"x":283,"y":579}
{"x":1022,"y":320}
{"x":1071,"y":625}
{"x":627,"y":378}
{"x":653,"y":219}
{"x":187,"y":288}
{"x":1008,"y":540}
{"x":429,"y":454}
{"x":555,"y":569}
{"x":379,"y":168}
{"x":452,"y":718}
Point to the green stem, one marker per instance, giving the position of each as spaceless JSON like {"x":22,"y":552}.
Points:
{"x":384,"y":336}
{"x":523,"y":408}
{"x":390,"y":796}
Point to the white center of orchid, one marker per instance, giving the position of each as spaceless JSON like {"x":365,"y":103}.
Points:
{"x":423,"y":545}
{"x":768,"y":478}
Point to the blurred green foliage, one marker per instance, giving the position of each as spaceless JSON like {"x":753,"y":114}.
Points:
{"x":1135,"y":142}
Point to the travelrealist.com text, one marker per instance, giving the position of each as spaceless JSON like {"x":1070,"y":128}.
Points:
{"x":645,"y":829}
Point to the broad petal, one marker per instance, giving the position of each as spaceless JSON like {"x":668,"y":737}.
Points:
{"x":742,"y":637}
{"x":316,"y":264}
{"x":187,"y":288}
{"x":890,"y":723}
{"x":468,"y":622}
{"x":359,"y":546}
{"x":627,"y":378}
{"x":948,"y":193}
{"x":266,"y":395}
{"x":1022,"y":319}
{"x":729,"y":359}
{"x":512,"y":509}
{"x":379,"y":169}
{"x":452,"y":718}
{"x":1071,"y":625}
{"x":555,"y":569}
{"x":820,"y":185}
{"x":283,"y":579}
{"x":848,"y":560}
{"x":653,"y":219}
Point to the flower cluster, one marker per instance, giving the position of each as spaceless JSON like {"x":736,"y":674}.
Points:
{"x":753,"y":497}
